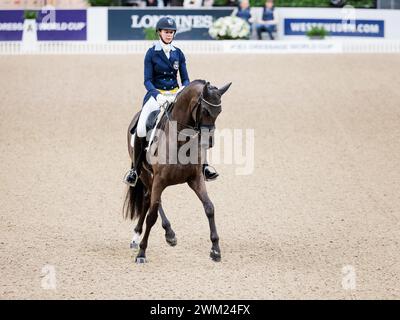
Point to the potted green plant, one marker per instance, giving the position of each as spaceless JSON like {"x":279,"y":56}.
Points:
{"x":30,"y":15}
{"x":150,"y":34}
{"x":317,"y":33}
{"x":29,"y":34}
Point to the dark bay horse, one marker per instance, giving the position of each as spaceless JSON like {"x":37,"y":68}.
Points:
{"x":194,"y":113}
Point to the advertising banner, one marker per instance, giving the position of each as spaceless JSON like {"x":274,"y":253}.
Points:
{"x":11,"y":25}
{"x":52,"y":25}
{"x":336,"y":27}
{"x":193,"y":24}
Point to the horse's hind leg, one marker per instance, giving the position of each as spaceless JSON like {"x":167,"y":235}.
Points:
{"x":146,"y":204}
{"x":169,"y":233}
{"x":139,"y":226}
{"x":151,"y":219}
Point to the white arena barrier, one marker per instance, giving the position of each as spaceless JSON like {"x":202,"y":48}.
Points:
{"x":209,"y":47}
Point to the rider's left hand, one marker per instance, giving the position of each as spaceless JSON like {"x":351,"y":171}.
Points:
{"x":171,"y":98}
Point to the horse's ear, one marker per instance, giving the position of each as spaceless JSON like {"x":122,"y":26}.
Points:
{"x":225,"y":88}
{"x":205,"y":88}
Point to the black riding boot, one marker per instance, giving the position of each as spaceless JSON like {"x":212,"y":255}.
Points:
{"x":209,"y":172}
{"x":132,"y":175}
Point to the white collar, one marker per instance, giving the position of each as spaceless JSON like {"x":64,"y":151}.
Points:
{"x":159,"y":45}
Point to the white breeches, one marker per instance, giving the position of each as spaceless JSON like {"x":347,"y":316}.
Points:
{"x":150,"y":106}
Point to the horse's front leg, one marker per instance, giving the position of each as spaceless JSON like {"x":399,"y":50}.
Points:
{"x":155,"y":201}
{"x":169,"y":233}
{"x":199,"y":187}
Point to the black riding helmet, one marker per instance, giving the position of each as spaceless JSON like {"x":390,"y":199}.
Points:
{"x":165,"y":23}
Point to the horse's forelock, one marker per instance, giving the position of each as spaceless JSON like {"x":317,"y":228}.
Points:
{"x":201,"y":88}
{"x":188,"y":98}
{"x":211,"y":93}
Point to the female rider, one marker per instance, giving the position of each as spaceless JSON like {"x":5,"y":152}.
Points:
{"x":161,"y":65}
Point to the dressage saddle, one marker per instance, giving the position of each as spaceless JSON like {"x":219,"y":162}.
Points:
{"x":150,"y":122}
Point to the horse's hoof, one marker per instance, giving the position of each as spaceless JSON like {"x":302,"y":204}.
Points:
{"x":215,"y":255}
{"x":134,"y":245}
{"x":172,"y":241}
{"x":140,"y":260}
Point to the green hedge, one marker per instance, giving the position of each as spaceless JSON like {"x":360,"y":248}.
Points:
{"x":315,"y":3}
{"x":102,"y":3}
{"x":306,"y":3}
{"x":107,"y":3}
{"x":258,"y":3}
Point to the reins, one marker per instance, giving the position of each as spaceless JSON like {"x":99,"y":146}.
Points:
{"x":197,"y":126}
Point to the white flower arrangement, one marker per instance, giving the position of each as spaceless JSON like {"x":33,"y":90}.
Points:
{"x":230,"y":27}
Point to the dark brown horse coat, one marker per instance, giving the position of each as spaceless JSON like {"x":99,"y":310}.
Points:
{"x":195,"y":108}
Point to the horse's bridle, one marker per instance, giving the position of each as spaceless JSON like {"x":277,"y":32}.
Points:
{"x":197,"y":110}
{"x":197,"y":118}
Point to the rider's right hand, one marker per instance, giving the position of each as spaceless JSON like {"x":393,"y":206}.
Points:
{"x":161,"y":99}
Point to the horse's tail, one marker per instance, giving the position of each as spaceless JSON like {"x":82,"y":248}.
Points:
{"x":133,"y":205}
